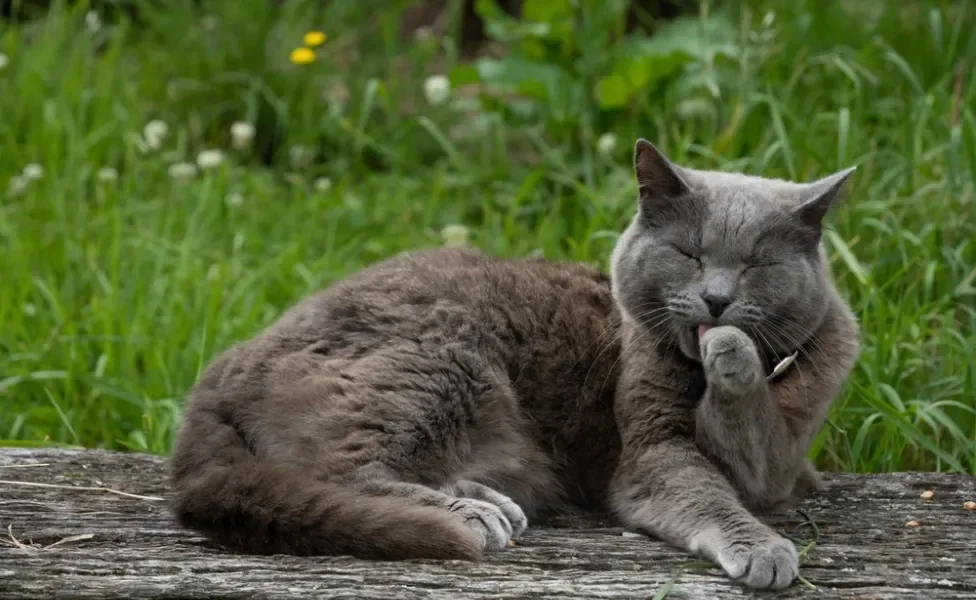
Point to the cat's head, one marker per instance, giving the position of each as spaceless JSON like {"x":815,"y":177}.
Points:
{"x":719,"y":248}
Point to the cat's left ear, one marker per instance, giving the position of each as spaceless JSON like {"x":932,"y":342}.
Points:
{"x":819,"y":196}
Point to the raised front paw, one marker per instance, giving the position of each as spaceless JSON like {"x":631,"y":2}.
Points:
{"x":771,"y":563}
{"x":731,"y":360}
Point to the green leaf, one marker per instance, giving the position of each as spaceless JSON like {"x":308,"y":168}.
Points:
{"x":643,"y":61}
{"x":502,"y":27}
{"x":838,"y":244}
{"x":612,"y":91}
{"x":690,"y":37}
{"x":546,"y":10}
{"x":463,"y":75}
{"x":534,"y":79}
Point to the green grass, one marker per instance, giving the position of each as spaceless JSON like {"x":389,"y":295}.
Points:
{"x":115,"y":294}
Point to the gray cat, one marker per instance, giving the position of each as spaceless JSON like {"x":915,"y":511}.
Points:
{"x":431,"y":404}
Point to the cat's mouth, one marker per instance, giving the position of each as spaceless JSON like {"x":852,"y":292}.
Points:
{"x":696,"y":332}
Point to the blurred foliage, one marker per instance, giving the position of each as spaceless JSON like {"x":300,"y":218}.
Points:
{"x":132,"y":256}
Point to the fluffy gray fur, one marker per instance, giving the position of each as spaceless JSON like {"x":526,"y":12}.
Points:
{"x":751,"y":247}
{"x":430,"y":405}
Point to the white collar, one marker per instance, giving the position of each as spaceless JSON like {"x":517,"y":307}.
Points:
{"x":782,"y":366}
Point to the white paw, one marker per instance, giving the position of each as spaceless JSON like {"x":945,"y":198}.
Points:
{"x":770,"y":564}
{"x":485,"y":519}
{"x":512,"y":511}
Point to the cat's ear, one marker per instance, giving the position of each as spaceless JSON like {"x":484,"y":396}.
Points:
{"x":657,"y":179}
{"x":819,"y":196}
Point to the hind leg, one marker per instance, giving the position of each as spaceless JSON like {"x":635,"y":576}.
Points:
{"x":409,"y":423}
{"x":483,"y":516}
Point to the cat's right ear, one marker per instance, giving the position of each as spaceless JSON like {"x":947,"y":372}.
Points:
{"x":658,"y":181}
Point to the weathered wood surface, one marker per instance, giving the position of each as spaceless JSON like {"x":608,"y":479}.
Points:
{"x":78,"y":541}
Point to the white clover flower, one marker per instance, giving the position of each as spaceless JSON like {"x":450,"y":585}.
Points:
{"x":437,"y":89}
{"x":241,"y":134}
{"x":155,"y":132}
{"x":107,"y":175}
{"x":4,"y":61}
{"x":300,"y":156}
{"x":455,"y":235}
{"x":352,"y":201}
{"x":182,"y":171}
{"x":234,"y":199}
{"x":323,"y":184}
{"x":92,"y":21}
{"x":606,"y":143}
{"x":423,"y":33}
{"x":210,"y":159}
{"x":33,"y":171}
{"x":17,"y":185}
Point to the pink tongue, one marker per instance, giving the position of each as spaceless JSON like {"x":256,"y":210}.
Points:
{"x":702,"y":329}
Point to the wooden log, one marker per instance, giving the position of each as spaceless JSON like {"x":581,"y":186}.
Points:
{"x":63,"y":534}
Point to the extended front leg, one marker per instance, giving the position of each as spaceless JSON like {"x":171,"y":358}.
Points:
{"x":674,"y":493}
{"x":739,"y":425}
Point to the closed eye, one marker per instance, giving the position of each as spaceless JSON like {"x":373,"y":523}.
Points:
{"x":686,"y":254}
{"x":758,"y":264}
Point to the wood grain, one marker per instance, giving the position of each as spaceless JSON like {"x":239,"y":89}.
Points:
{"x":76,"y":540}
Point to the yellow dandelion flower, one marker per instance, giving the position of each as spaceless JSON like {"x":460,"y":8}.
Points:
{"x":302,"y":56}
{"x":314,"y":38}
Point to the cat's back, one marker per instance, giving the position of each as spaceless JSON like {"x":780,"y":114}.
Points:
{"x":548,"y":324}
{"x":450,"y":290}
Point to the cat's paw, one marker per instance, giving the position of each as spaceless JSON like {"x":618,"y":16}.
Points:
{"x":731,"y":360}
{"x":485,"y":519}
{"x":770,"y":564}
{"x":808,"y":481}
{"x":512,"y":511}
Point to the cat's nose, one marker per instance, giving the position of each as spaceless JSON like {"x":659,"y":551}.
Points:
{"x":716,"y":303}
